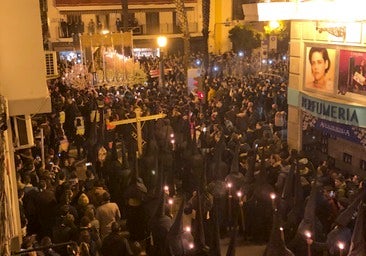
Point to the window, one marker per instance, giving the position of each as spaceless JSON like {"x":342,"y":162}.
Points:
{"x":324,"y":143}
{"x":347,"y":158}
{"x":73,"y":26}
{"x":363,"y":165}
{"x":152,"y":23}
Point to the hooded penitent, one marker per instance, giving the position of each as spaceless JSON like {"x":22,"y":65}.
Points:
{"x":358,"y":241}
{"x":307,"y":224}
{"x":235,"y":178}
{"x":150,"y":170}
{"x":276,"y":244}
{"x":346,"y":216}
{"x":161,"y":223}
{"x":179,"y":242}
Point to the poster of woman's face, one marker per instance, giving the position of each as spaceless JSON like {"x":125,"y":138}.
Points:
{"x":352,"y":72}
{"x":320,"y":69}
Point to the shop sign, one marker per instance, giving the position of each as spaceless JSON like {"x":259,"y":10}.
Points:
{"x":332,"y":111}
{"x":348,"y":132}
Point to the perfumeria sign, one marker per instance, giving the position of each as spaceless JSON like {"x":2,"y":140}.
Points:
{"x":331,"y":111}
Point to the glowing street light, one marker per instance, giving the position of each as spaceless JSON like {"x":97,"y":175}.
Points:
{"x":274,"y":24}
{"x":162,"y":42}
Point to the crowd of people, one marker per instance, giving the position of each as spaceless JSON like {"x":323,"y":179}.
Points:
{"x":224,"y":158}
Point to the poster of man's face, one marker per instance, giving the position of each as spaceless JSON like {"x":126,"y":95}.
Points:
{"x":352,"y":72}
{"x":320,"y":69}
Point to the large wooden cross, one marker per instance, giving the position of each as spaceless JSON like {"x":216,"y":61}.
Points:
{"x":138,"y":119}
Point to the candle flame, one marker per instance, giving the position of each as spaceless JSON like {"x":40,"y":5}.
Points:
{"x":341,"y":245}
{"x":308,"y":234}
{"x":273,"y":196}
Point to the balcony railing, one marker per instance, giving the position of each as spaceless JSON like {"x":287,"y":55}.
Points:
{"x":140,"y":30}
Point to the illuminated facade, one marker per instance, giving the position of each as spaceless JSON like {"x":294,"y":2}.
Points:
{"x":327,"y":120}
{"x":147,"y":20}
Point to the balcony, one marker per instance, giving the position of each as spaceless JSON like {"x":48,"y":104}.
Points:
{"x":66,"y":34}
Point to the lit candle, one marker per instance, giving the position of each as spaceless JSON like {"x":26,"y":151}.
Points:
{"x":170,"y":202}
{"x":239,"y":194}
{"x":229,"y":185}
{"x":166,"y":189}
{"x":282,"y":234}
{"x":273,"y":197}
{"x":191,"y":245}
{"x":308,"y":236}
{"x":172,"y":141}
{"x":187,"y":229}
{"x":341,"y":246}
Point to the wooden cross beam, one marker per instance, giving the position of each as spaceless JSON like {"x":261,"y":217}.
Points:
{"x":138,"y":119}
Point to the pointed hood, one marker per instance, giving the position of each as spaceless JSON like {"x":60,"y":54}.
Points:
{"x":150,"y":170}
{"x":215,"y":249}
{"x":125,"y":163}
{"x":251,"y":160}
{"x":197,"y":165}
{"x":296,"y":212}
{"x":307,"y":224}
{"x":178,"y":241}
{"x":358,"y":243}
{"x":218,"y":169}
{"x":288,"y":188}
{"x":235,"y":177}
{"x":235,"y":161}
{"x":346,"y":216}
{"x":276,"y":244}
{"x":160,"y":223}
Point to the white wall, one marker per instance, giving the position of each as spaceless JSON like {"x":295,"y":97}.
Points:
{"x":22,"y":63}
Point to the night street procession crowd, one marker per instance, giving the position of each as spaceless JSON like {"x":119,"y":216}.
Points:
{"x":224,"y":160}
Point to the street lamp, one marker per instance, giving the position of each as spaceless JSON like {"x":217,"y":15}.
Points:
{"x":162,"y":42}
